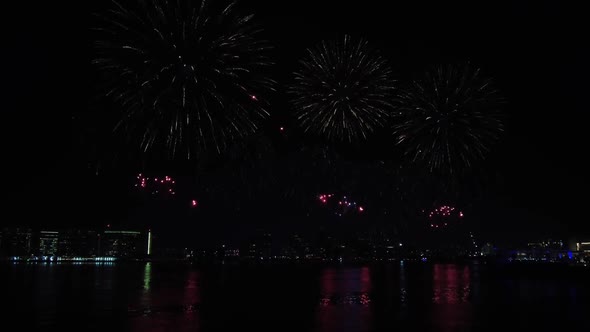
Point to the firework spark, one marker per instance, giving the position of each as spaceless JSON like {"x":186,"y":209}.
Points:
{"x":442,"y":216}
{"x":343,"y":90}
{"x":448,"y":119}
{"x":157,"y":186}
{"x":341,"y":205}
{"x":188,"y":75}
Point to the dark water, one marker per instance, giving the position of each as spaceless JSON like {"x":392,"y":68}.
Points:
{"x":394,"y":297}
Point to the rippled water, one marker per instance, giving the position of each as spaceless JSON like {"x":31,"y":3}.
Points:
{"x":406,"y":297}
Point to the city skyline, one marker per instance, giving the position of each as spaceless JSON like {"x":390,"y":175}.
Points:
{"x":452,"y":242}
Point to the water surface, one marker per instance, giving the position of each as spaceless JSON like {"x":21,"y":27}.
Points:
{"x":387,"y":297}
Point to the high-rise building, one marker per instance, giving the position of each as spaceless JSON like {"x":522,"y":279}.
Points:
{"x":123,"y":243}
{"x":259,"y":247}
{"x":297,"y":248}
{"x":583,"y":247}
{"x":546,"y":245}
{"x":16,"y":241}
{"x":48,"y":241}
{"x":78,"y":243}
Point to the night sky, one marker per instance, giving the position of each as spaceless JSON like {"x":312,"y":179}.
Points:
{"x":536,"y":51}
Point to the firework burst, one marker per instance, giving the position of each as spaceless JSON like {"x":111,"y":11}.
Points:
{"x":341,"y":205}
{"x":448,"y":119}
{"x":342,"y":91}
{"x":444,"y":215}
{"x":189,"y":76}
{"x":156,"y":186}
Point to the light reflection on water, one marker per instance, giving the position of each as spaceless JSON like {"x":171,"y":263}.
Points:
{"x":403,"y":284}
{"x":345,"y":286}
{"x":451,"y":283}
{"x":163,"y":305}
{"x":147,"y":277}
{"x":451,"y":297}
{"x":345,"y":299}
{"x":403,"y":296}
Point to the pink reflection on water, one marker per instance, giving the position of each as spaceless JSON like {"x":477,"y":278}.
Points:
{"x":344,"y":300}
{"x":365,"y":279}
{"x":451,"y":284}
{"x":192,"y":292}
{"x":452,"y":309}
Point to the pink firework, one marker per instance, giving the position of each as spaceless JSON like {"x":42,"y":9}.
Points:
{"x":157,"y":186}
{"x":443,"y":216}
{"x":325,"y":197}
{"x":341,"y":205}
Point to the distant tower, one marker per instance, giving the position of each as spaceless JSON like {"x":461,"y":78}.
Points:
{"x":149,"y":242}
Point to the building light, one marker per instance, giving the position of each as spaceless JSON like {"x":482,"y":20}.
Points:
{"x":149,"y":243}
{"x":123,"y":232}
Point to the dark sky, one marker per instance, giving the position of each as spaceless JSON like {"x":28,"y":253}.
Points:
{"x":536,"y":51}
